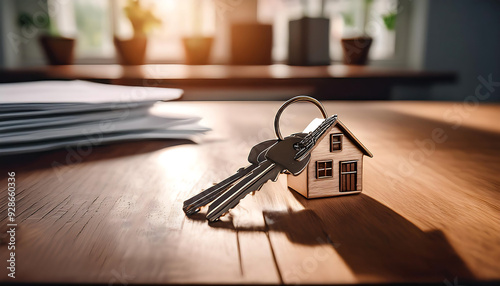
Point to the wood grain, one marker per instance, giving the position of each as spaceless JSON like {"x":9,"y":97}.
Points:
{"x":429,"y":211}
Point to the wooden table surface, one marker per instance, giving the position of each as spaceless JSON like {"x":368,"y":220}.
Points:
{"x":429,"y":211}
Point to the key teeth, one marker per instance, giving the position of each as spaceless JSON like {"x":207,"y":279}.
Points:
{"x":253,"y":193}
{"x":222,"y":215}
{"x":237,"y":203}
{"x":218,"y":218}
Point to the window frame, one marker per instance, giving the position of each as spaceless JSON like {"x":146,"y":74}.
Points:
{"x":341,"y":142}
{"x":405,"y":28}
{"x":325,"y":169}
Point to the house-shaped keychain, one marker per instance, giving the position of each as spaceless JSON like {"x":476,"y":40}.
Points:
{"x":336,"y":165}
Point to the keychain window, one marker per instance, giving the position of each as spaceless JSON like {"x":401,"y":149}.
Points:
{"x":324,"y":169}
{"x":336,"y":142}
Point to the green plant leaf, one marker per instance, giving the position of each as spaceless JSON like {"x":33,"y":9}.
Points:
{"x":142,"y":19}
{"x":348,"y":19}
{"x":25,"y":20}
{"x":390,"y":20}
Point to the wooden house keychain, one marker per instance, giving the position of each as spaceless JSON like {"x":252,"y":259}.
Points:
{"x":325,"y":160}
{"x":336,"y":164}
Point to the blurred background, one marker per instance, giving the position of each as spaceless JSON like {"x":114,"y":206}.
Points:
{"x":259,"y":49}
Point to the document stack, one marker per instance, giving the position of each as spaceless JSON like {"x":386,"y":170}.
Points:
{"x":45,"y":115}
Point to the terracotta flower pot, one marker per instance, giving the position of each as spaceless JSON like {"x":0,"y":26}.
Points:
{"x":58,"y":50}
{"x":356,"y":50}
{"x":131,"y":51}
{"x":197,"y":50}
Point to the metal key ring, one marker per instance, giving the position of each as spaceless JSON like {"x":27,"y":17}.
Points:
{"x":293,"y":100}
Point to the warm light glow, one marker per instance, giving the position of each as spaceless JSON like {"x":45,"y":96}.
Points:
{"x":181,"y":18}
{"x":280,"y":71}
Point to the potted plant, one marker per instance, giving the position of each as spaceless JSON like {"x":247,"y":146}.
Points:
{"x":133,"y":51}
{"x":58,"y":50}
{"x":356,"y":49}
{"x":197,"y":46}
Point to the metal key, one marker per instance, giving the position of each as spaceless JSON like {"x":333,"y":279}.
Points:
{"x":267,"y":170}
{"x":280,"y":157}
{"x":256,"y":155}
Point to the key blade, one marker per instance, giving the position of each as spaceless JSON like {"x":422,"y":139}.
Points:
{"x":267,"y":170}
{"x":256,"y":155}
{"x":192,"y":204}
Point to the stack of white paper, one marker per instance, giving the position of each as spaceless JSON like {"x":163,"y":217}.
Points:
{"x":39,"y":116}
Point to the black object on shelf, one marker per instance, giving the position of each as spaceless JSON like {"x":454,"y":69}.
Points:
{"x":309,"y":42}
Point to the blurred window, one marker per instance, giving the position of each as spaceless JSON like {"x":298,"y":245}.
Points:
{"x":93,"y":29}
{"x":348,"y":18}
{"x":97,"y":21}
{"x":179,"y":18}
